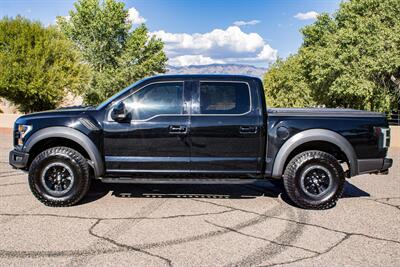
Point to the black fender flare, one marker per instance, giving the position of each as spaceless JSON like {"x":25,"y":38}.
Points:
{"x":310,"y":136}
{"x":74,"y":135}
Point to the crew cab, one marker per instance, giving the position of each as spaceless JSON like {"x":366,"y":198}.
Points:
{"x":198,"y":127}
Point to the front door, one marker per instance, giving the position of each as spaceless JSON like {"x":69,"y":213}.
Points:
{"x":155,"y":141}
{"x":225,"y":128}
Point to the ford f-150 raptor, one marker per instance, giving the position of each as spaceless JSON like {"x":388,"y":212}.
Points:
{"x":198,"y":127}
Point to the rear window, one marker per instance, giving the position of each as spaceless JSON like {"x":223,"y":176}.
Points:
{"x":224,"y":98}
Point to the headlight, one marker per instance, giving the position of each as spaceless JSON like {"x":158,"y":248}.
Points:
{"x":22,"y":131}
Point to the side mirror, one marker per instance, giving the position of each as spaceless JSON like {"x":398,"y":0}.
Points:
{"x":120,"y":113}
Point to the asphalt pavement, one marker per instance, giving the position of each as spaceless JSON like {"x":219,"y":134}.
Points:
{"x":200,"y":225}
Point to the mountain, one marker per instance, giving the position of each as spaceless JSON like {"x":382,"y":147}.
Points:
{"x":218,"y":68}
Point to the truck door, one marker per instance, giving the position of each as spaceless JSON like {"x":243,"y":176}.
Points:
{"x":225,"y":128}
{"x":155,"y":140}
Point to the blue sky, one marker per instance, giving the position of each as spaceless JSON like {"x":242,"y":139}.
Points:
{"x":204,"y":31}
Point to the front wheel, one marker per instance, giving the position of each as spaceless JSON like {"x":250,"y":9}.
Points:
{"x":314,"y":180}
{"x":59,"y":176}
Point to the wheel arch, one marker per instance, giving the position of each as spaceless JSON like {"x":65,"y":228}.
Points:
{"x":75,"y":137}
{"x":309,"y":136}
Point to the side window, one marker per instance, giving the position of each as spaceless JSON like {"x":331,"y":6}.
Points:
{"x":156,"y":99}
{"x":224,"y":98}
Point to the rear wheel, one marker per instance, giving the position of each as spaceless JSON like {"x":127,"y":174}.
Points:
{"x":314,"y":180}
{"x":59,"y":176}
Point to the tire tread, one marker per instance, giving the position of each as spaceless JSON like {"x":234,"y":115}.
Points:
{"x":74,"y":156}
{"x":289,"y":178}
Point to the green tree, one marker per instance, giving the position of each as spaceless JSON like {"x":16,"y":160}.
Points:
{"x":117,"y":54}
{"x":285,"y":84}
{"x":352,"y":59}
{"x":38,"y":66}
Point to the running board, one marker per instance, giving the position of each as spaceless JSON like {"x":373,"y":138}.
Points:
{"x":124,"y":180}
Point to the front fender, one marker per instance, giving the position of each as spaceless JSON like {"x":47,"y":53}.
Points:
{"x":74,"y":135}
{"x":310,"y":136}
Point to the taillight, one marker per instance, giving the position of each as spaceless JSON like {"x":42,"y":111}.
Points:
{"x":383,"y":135}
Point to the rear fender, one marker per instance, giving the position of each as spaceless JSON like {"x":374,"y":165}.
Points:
{"x":310,"y":136}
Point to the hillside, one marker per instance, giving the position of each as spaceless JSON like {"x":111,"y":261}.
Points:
{"x":218,"y":68}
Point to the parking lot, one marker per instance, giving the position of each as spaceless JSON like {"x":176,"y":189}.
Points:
{"x":200,"y":225}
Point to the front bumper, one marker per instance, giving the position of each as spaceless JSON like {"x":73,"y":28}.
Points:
{"x":18,"y":159}
{"x":380,"y":165}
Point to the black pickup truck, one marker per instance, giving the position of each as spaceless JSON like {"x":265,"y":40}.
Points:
{"x":198,"y":128}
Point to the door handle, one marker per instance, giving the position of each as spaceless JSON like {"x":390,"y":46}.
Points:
{"x":178,"y":129}
{"x":248,"y":129}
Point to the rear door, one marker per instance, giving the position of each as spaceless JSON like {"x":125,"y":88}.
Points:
{"x":225,"y":129}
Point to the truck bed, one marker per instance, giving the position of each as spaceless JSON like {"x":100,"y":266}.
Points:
{"x":328,"y":112}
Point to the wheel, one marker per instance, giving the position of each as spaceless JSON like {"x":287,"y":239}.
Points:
{"x":314,"y":180}
{"x":59,"y":177}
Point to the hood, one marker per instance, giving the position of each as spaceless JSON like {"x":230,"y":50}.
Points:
{"x":52,"y":115}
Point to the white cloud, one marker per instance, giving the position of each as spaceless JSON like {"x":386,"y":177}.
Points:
{"x":244,"y":23}
{"x":135,"y":17}
{"x":187,"y":60}
{"x":307,"y":15}
{"x":267,"y":53}
{"x":216,"y":46}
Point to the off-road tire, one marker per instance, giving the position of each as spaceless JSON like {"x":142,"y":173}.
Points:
{"x":308,"y":159}
{"x":67,"y":156}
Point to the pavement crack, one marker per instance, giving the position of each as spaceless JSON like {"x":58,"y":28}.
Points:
{"x":13,"y":195}
{"x":269,"y":192}
{"x":312,"y":256}
{"x":11,"y":184}
{"x":11,"y":175}
{"x":276,"y":210}
{"x":118,"y":230}
{"x":261,"y":238}
{"x":288,"y":235}
{"x":303,"y":223}
{"x":124,"y":246}
{"x":382,"y":201}
{"x":114,"y":218}
{"x":10,"y":172}
{"x":61,"y":253}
